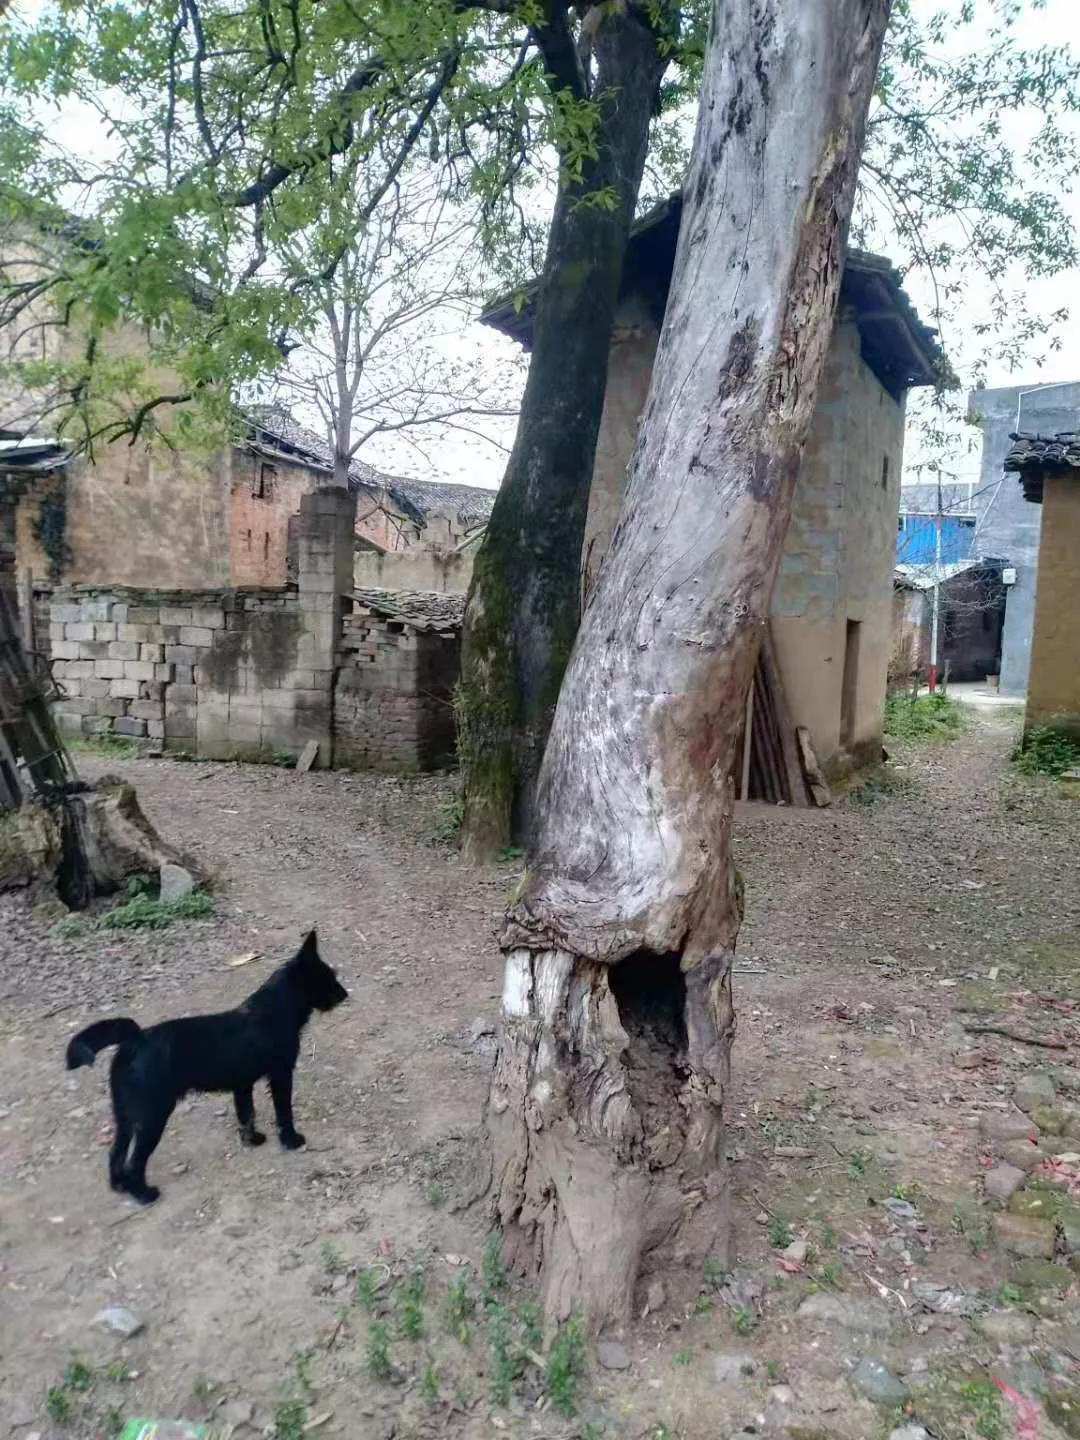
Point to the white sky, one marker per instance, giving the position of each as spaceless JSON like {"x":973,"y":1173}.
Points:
{"x":464,"y":458}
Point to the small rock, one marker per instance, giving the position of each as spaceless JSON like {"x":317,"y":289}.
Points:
{"x":969,"y":1059}
{"x":612,"y":1356}
{"x":656,"y":1295}
{"x":900,"y":1209}
{"x":1002,"y":1181}
{"x":1022,"y":1153}
{"x":909,"y":1432}
{"x":1049,"y":1119}
{"x":998,"y":1126}
{"x":175,"y":881}
{"x":1026,"y":1238}
{"x":942,"y":1300}
{"x":797,"y":1252}
{"x":120,"y":1320}
{"x":237,"y":1412}
{"x":851,"y":1314}
{"x":761,"y":1218}
{"x":1038,"y":1202}
{"x":727,"y":1368}
{"x":339,"y":1282}
{"x":1064,"y":1411}
{"x":1033,"y":1090}
{"x":873,"y":1378}
{"x":920,"y":1365}
{"x":1067,"y":1080}
{"x":781,"y":1394}
{"x":1005,"y":1327}
{"x":1035,"y":1277}
{"x":480,"y":1029}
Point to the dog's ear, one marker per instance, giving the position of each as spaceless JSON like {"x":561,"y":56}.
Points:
{"x":309,"y":950}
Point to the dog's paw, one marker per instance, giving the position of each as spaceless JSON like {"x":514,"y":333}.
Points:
{"x":292,"y":1140}
{"x":252,"y":1137}
{"x":146,"y":1196}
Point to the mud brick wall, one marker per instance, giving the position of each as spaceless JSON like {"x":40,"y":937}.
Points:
{"x":393,"y":702}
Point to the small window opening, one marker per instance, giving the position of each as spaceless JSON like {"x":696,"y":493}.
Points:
{"x":884,"y":472}
{"x":266,"y":545}
{"x":849,"y":692}
{"x":264,"y":482}
{"x":247,"y":540}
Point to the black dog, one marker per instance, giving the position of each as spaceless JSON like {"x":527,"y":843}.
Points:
{"x":155,"y":1068}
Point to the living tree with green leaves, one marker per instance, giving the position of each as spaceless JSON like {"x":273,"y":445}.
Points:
{"x":226,"y":122}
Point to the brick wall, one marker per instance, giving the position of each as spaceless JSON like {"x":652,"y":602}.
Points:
{"x":393,"y":701}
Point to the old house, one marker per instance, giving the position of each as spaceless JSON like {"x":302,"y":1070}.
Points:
{"x":138,"y":517}
{"x":832,"y":608}
{"x":971,"y":617}
{"x":1049,"y":470}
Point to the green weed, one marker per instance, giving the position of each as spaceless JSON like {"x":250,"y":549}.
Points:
{"x":714,"y":1272}
{"x":493,"y":1267}
{"x":377,"y":1350}
{"x":448,"y":821}
{"x":1008,"y":1295}
{"x":532,"y":1331}
{"x":117,"y":1371}
{"x":985,"y":1401}
{"x":290,"y":1417}
{"x":460,"y":1309}
{"x":929,"y":717}
{"x":111,"y":747}
{"x":683,"y":1357}
{"x":411,"y":1306}
{"x":58,"y":1404}
{"x":702,"y":1305}
{"x":828,"y":1237}
{"x":202,"y":1390}
{"x":1043,"y":751}
{"x":773,"y":1372}
{"x":502,"y":1361}
{"x":78,"y":1375}
{"x":566,"y":1360}
{"x":436,"y":1194}
{"x":781,"y":1234}
{"x":333,"y":1262}
{"x":881,"y":783}
{"x":857,"y":1163}
{"x":429,"y":1384}
{"x":742,"y":1320}
{"x":831,"y":1275}
{"x":114,"y":1421}
{"x":142,"y":912}
{"x":367,"y":1290}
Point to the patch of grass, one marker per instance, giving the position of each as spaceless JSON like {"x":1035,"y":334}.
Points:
{"x":117,"y":1372}
{"x":460,"y":1309}
{"x":110,"y":747}
{"x":1007,"y":1294}
{"x":436,"y":1194}
{"x":78,"y":1375}
{"x":566,"y":1360}
{"x":683,"y":1357}
{"x":857,"y":1162}
{"x":58,"y":1405}
{"x":532,"y":1331}
{"x":831,"y":1275}
{"x":502,"y":1361}
{"x":142,"y":912}
{"x":702,"y":1305}
{"x":283,"y":759}
{"x":377,"y":1350}
{"x":781,"y":1234}
{"x":202,"y":1390}
{"x":714,"y":1272}
{"x":69,"y":929}
{"x":742,"y":1320}
{"x":493,"y":1268}
{"x":429,"y":1384}
{"x":828,"y":1237}
{"x":774,"y":1372}
{"x":1043,"y":751}
{"x":928,"y":717}
{"x":976,"y":1227}
{"x":333,"y":1262}
{"x":985,"y":1401}
{"x":411,"y":1305}
{"x":448,"y":821}
{"x":114,"y":1421}
{"x":367,"y":1289}
{"x":290,"y":1417}
{"x":881,"y":783}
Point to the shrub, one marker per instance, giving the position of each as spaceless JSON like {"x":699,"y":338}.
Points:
{"x":1046,"y":752}
{"x":927,"y":717}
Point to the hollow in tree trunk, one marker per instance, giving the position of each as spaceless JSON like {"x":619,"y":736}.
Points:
{"x":605,"y":1111}
{"x":523,"y":606}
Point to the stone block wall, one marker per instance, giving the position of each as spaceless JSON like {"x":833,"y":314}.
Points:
{"x":393,"y":703}
{"x":254,"y":674}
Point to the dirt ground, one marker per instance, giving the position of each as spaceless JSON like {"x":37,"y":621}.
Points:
{"x":277,"y":1291}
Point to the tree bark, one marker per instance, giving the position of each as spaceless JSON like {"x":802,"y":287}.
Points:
{"x":605,"y":1112}
{"x":523,"y":606}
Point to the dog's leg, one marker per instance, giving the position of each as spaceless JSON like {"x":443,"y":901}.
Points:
{"x":281,"y":1093}
{"x":149,"y":1129}
{"x":245,"y":1114}
{"x":121,"y":1141}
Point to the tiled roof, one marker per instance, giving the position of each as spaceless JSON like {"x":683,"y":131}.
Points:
{"x":274,"y":426}
{"x":419,"y":609}
{"x":900,"y":350}
{"x":1034,"y":456}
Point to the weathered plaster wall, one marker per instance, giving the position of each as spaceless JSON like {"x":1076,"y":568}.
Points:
{"x":265,"y":495}
{"x":1054,"y":680}
{"x":841,"y":546}
{"x":447,"y":572}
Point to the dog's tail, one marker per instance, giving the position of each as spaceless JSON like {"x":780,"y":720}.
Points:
{"x":82,"y":1048}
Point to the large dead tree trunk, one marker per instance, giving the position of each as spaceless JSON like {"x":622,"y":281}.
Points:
{"x":605,"y":1110}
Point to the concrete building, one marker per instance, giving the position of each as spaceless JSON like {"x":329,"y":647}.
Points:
{"x":1049,"y":471}
{"x":987,"y":516}
{"x":832,"y":607}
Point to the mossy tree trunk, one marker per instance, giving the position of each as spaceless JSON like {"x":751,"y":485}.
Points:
{"x":523,"y":607}
{"x":606,"y":1104}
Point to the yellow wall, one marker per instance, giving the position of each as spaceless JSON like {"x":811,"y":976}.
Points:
{"x":1054,"y":681}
